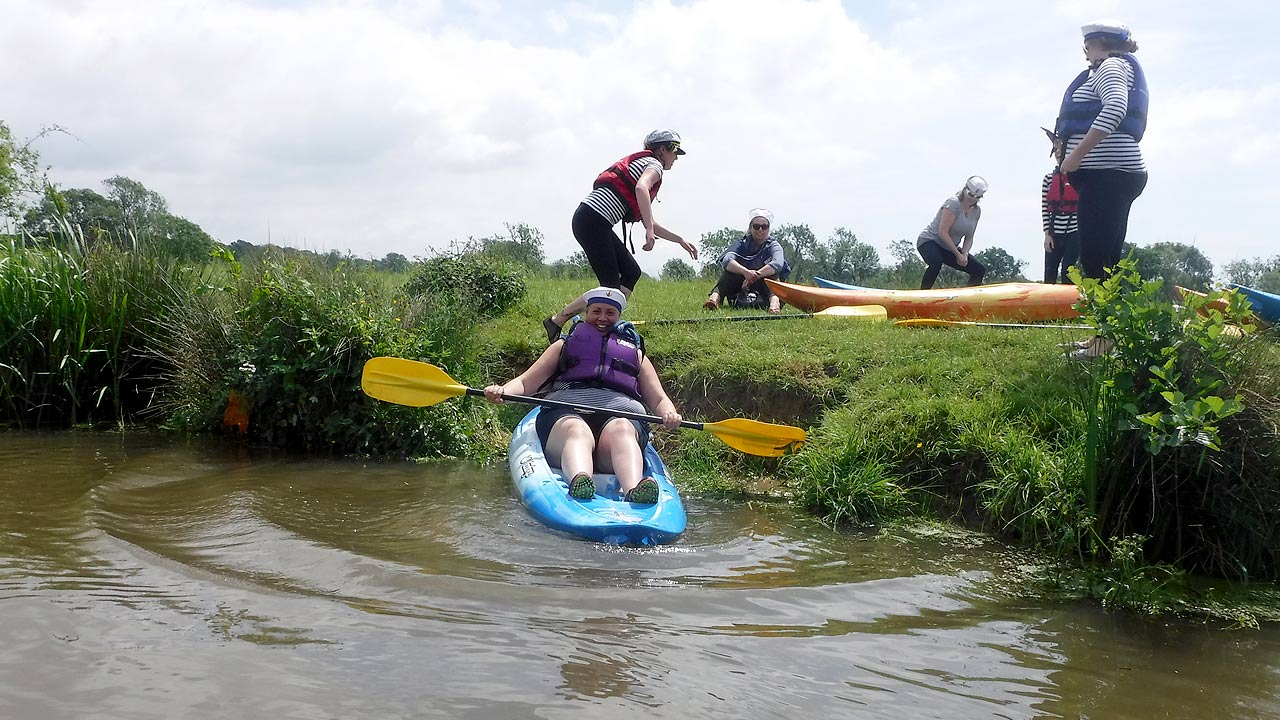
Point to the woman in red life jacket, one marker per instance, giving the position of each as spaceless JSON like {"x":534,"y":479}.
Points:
{"x":624,"y":192}
{"x":601,"y":362}
{"x":1058,"y":205}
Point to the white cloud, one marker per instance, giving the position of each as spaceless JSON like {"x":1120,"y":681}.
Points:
{"x":388,"y":126}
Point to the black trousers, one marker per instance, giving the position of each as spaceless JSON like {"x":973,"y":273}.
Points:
{"x":730,"y":289}
{"x":935,"y":256}
{"x":1065,"y":253}
{"x":610,"y":260}
{"x":1105,"y":199}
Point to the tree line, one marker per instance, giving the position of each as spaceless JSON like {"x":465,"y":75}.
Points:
{"x":126,"y":210}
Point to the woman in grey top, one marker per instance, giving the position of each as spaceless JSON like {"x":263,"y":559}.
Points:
{"x":949,"y":237}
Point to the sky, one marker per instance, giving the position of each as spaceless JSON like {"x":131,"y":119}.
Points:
{"x":380,"y":126}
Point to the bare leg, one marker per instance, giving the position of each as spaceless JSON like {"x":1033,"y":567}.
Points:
{"x":619,"y":453}
{"x":570,"y":445}
{"x":576,"y":306}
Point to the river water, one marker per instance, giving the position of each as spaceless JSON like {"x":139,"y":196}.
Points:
{"x":147,"y":577}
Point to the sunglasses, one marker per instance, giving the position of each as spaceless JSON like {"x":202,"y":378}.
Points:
{"x":759,"y":226}
{"x":974,"y":195}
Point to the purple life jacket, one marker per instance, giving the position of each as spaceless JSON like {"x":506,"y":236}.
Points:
{"x":593,"y":360}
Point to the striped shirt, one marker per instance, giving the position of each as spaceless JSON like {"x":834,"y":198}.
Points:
{"x":595,"y":396}
{"x":605,"y":200}
{"x":1057,"y":223}
{"x":1109,"y":84}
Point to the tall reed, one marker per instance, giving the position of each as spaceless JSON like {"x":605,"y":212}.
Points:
{"x":75,"y":320}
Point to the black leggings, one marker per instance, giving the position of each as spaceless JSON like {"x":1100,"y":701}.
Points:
{"x":1105,"y":199}
{"x":935,"y":256}
{"x":610,"y":260}
{"x":1065,"y":253}
{"x":729,"y":287}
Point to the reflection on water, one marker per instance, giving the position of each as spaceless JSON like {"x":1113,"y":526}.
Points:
{"x":145,"y":577}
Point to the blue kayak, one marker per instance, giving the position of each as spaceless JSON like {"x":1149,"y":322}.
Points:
{"x":606,"y":518}
{"x":1265,"y":305}
{"x":825,"y":283}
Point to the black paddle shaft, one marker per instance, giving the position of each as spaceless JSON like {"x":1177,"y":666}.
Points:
{"x":586,"y":408}
{"x":725,"y":318}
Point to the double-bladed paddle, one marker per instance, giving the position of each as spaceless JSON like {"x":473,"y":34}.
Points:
{"x":934,"y":322}
{"x":419,"y":384}
{"x":854,"y":312}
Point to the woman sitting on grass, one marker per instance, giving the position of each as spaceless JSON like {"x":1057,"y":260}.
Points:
{"x":600,"y":362}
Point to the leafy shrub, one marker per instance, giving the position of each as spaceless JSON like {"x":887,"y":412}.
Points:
{"x":292,"y":337}
{"x":470,"y":280}
{"x":1173,"y":453}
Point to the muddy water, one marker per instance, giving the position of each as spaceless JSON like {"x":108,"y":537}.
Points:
{"x":142,"y":577}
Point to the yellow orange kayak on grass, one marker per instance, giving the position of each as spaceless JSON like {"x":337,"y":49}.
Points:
{"x":1006,"y":301}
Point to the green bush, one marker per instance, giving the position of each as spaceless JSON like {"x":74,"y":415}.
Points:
{"x":468,"y":279}
{"x":1173,"y":453}
{"x":293,"y":336}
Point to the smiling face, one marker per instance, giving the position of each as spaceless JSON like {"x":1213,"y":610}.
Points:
{"x":759,"y":230}
{"x":602,"y":316}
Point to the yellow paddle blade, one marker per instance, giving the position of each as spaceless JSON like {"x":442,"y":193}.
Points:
{"x":859,"y":312}
{"x":408,"y":382}
{"x":757,"y":438}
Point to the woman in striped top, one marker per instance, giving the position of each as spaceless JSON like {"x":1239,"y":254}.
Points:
{"x":1058,"y":213}
{"x":1103,"y":118}
{"x":624,"y":192}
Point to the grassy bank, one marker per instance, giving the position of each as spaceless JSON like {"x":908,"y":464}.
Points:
{"x":991,"y":428}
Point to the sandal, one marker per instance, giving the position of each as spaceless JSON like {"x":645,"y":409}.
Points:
{"x":553,"y":330}
{"x":1096,"y":348}
{"x":582,"y":487}
{"x":710,"y":305}
{"x":644,"y":493}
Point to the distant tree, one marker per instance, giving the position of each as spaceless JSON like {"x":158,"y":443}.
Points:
{"x":183,"y":239}
{"x":1001,"y":266}
{"x":907,"y":268}
{"x":392,"y":263}
{"x":801,"y":248}
{"x":712,"y":247}
{"x":92,"y":214}
{"x":574,"y":267}
{"x":521,"y":245}
{"x":845,"y":258}
{"x":1175,"y":263}
{"x":1256,"y":273}
{"x":20,"y":172}
{"x":143,"y":211}
{"x":677,"y":269}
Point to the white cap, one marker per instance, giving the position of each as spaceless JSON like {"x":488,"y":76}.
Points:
{"x":976,"y":184}
{"x":606,"y":295}
{"x":1106,"y":27}
{"x":760,"y":213}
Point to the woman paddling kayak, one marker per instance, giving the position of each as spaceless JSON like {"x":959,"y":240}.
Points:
{"x":600,"y":362}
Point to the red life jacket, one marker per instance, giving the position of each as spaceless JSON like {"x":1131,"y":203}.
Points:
{"x":1061,"y":198}
{"x":618,"y":178}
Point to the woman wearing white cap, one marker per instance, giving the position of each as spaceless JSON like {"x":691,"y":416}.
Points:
{"x":1102,"y":119}
{"x":949,"y":237}
{"x":755,"y":257}
{"x":601,"y":363}
{"x":624,"y":192}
